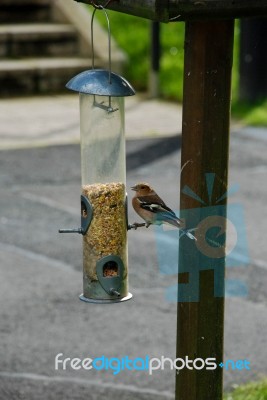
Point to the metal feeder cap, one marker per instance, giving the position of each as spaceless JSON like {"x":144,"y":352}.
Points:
{"x":101,"y":82}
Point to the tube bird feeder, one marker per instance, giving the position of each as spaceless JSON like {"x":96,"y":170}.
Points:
{"x":104,"y":221}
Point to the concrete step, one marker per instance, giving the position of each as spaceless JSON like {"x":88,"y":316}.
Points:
{"x":23,"y":2}
{"x":44,"y":43}
{"x":41,"y":39}
{"x":24,"y":11}
{"x":39,"y":75}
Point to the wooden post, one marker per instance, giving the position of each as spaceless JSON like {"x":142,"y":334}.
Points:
{"x":253,"y":60}
{"x":205,"y":148}
{"x":155,"y":60}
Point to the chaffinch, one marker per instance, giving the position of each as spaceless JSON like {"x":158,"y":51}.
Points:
{"x":149,"y":206}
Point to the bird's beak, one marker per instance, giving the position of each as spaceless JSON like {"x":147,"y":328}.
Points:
{"x":134,"y":188}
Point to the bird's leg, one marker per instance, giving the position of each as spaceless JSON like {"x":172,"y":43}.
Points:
{"x":136,"y":225}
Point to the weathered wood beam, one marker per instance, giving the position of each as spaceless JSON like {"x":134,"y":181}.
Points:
{"x":211,"y":9}
{"x":181,"y":10}
{"x":151,"y":9}
{"x":205,"y":152}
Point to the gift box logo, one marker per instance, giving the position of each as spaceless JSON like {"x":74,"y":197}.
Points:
{"x":212,"y":249}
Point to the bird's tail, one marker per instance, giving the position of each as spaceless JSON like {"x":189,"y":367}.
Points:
{"x":177,"y":222}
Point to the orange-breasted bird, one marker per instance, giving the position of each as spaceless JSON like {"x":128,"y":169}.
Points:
{"x":149,"y":206}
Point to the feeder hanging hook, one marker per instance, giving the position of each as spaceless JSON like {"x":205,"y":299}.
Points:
{"x":99,"y":6}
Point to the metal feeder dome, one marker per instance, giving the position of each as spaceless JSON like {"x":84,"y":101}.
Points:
{"x":101,"y":82}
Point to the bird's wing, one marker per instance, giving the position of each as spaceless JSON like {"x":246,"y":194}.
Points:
{"x":156,"y":205}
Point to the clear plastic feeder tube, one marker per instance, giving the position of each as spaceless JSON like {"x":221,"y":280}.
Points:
{"x":103,"y":200}
{"x":102,"y":139}
{"x":103,"y":184}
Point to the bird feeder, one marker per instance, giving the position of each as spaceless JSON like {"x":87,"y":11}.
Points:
{"x":103,"y":168}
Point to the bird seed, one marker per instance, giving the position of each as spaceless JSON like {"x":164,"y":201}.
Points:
{"x":107,"y":234}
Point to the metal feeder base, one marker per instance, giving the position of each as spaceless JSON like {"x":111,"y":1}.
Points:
{"x":87,"y":300}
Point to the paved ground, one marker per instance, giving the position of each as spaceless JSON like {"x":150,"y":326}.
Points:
{"x":48,"y":120}
{"x":41,"y":273}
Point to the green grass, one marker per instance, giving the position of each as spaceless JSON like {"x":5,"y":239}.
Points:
{"x":251,"y":391}
{"x":133,"y":36}
{"x":255,"y":115}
